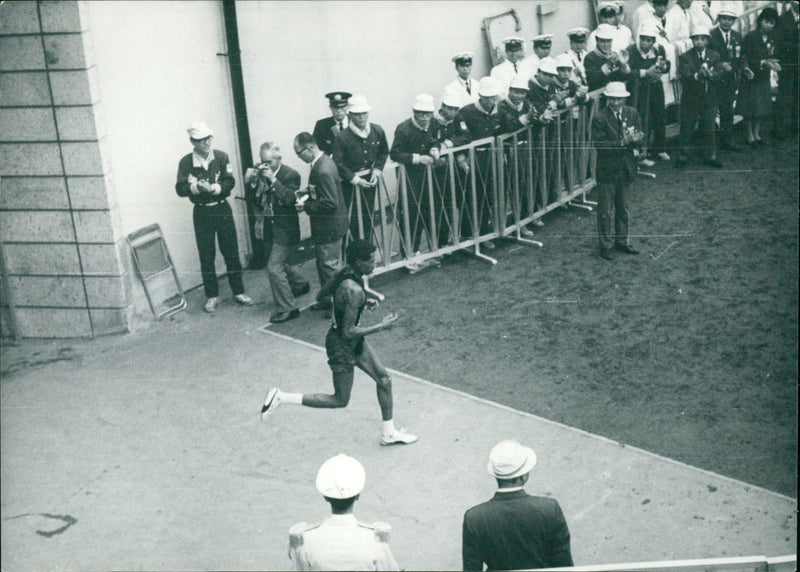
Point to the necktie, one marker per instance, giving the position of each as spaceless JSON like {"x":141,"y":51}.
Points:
{"x":341,"y":127}
{"x":727,"y":40}
{"x":469,"y":89}
{"x":515,"y":67}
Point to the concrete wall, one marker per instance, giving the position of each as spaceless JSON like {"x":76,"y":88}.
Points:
{"x":61,"y":233}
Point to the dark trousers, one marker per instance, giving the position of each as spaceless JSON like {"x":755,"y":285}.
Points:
{"x":651,"y":109}
{"x":363,"y":226}
{"x":786,"y":104}
{"x":421,"y":215}
{"x":216,"y":222}
{"x":727,"y":96}
{"x":704,"y":108}
{"x":612,"y":213}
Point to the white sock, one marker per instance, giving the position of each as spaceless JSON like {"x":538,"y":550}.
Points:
{"x":388,"y":428}
{"x":293,"y":398}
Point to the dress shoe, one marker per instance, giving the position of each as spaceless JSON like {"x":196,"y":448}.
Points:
{"x":525,"y":232}
{"x":647,"y":163}
{"x":488,"y":245}
{"x":713,"y":162}
{"x":284,"y":316}
{"x":538,"y":222}
{"x":664,"y":156}
{"x":607,"y":254}
{"x":302,"y":290}
{"x":626,"y":248}
{"x":211,"y":305}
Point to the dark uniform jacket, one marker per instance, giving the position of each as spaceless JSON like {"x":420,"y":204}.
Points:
{"x":638,"y":62}
{"x":563,"y":91}
{"x":539,"y":96}
{"x":327,"y":212}
{"x":477,"y":122}
{"x":515,"y":531}
{"x":453,"y":131}
{"x":410,"y":140}
{"x":701,"y":89}
{"x":595,"y":78}
{"x":732,"y":54}
{"x":285,"y":222}
{"x":352,"y":154}
{"x":614,"y":160}
{"x":219,"y":171}
{"x":510,"y":116}
{"x":325,"y":132}
{"x":786,"y":43}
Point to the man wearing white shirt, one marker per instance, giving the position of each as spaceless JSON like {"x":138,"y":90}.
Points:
{"x":576,"y":52}
{"x":542,"y":44}
{"x":677,"y":26}
{"x":610,"y":13}
{"x":513,"y":64}
{"x":463,"y":85}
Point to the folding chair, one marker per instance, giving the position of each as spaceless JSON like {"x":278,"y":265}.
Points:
{"x":154,"y":266}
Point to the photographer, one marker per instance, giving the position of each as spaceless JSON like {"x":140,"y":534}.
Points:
{"x":648,"y":63}
{"x":274,"y":186}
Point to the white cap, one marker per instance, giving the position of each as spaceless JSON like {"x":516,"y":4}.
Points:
{"x":649,"y":28}
{"x":462,"y":56}
{"x":727,"y":10}
{"x":601,"y":6}
{"x":542,"y":38}
{"x":518,"y":82}
{"x":604,"y":32}
{"x":548,"y":65}
{"x":199,"y":130}
{"x":509,"y":460}
{"x":699,"y":30}
{"x":451,"y":98}
{"x":341,"y":477}
{"x":564,"y":61}
{"x":424,"y":102}
{"x":516,"y":41}
{"x":358,"y":104}
{"x":489,"y":87}
{"x":615,"y":89}
{"x":579,"y":31}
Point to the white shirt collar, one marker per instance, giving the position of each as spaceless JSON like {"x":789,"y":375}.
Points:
{"x":417,"y":125}
{"x":314,"y":161}
{"x":482,"y":109}
{"x":198,"y":161}
{"x":510,"y":490}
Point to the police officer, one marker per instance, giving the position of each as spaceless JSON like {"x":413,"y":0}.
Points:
{"x":326,"y":130}
{"x":576,"y":52}
{"x":513,"y":64}
{"x":340,"y":542}
{"x":463,"y":85}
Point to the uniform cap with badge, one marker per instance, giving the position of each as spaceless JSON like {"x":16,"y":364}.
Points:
{"x":578,"y":34}
{"x":543,"y":39}
{"x":513,"y":43}
{"x":462,"y":58}
{"x":424,"y":102}
{"x":610,"y":8}
{"x":338,"y":98}
{"x":548,"y":66}
{"x":341,"y":477}
{"x":489,"y":87}
{"x":358,"y":104}
{"x":509,"y":460}
{"x":199,"y":130}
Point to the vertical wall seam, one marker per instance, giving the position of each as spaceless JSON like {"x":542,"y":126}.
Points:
{"x":63,"y":166}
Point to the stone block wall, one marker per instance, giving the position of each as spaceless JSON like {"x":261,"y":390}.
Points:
{"x":65,"y":264}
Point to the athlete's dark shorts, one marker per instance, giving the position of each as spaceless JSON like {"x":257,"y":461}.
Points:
{"x":342,"y":353}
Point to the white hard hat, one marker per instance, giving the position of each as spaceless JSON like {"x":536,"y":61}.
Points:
{"x":358,"y":104}
{"x":518,"y":82}
{"x":699,"y":30}
{"x":604,"y":32}
{"x":615,"y":89}
{"x":489,"y":87}
{"x":649,"y":28}
{"x":424,"y":102}
{"x":548,"y":65}
{"x":451,"y":99}
{"x":564,"y":61}
{"x":199,"y":130}
{"x":509,"y":460}
{"x":341,"y":477}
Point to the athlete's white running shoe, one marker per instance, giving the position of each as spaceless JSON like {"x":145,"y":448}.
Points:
{"x":271,"y":403}
{"x":399,"y":437}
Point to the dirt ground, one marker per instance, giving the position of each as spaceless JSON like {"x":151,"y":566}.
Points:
{"x":688,"y":350}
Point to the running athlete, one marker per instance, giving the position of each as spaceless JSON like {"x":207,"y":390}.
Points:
{"x":346,"y":346}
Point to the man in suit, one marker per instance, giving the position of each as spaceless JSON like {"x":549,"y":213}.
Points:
{"x":324,"y":203}
{"x":786,"y":42}
{"x":727,"y":42}
{"x":700,"y":70}
{"x":326,"y":130}
{"x":205,"y":177}
{"x":514,"y":530}
{"x":616,"y":132}
{"x":360,"y":153}
{"x":276,"y":186}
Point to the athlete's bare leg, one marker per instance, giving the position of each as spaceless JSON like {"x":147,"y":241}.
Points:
{"x":342,"y":386}
{"x":368,"y":362}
